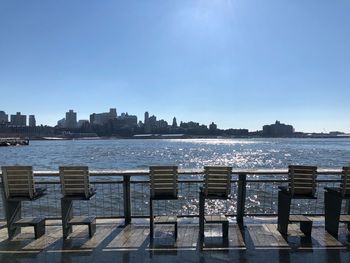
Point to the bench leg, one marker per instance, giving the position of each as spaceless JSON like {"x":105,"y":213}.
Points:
{"x":225,"y":230}
{"x":39,"y":229}
{"x":13,"y":214}
{"x":306,"y":228}
{"x":284,"y":200}
{"x":175,"y":225}
{"x":201,"y":216}
{"x":92,"y":228}
{"x":151,"y":219}
{"x":67,"y":214}
{"x":332,"y":207}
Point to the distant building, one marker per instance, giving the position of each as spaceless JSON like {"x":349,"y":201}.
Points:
{"x":19,"y":120}
{"x":103,"y":118}
{"x":147,"y":127}
{"x":126,"y":120}
{"x":213,"y":127}
{"x":278,"y":130}
{"x":4,"y":118}
{"x":146,"y":117}
{"x":162,"y":125}
{"x":189,"y":125}
{"x":32,"y":121}
{"x":174,"y":123}
{"x":82,"y":123}
{"x":152,"y":122}
{"x":61,"y":123}
{"x":71,"y":119}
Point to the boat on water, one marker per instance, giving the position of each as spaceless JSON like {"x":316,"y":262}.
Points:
{"x":13,"y":141}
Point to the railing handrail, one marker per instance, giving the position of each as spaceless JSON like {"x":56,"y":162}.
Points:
{"x":145,"y":172}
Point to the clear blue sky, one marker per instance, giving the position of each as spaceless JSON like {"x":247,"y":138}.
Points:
{"x":240,"y":63}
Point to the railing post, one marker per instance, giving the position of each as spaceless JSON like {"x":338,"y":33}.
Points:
{"x":127,"y":201}
{"x":241,"y":194}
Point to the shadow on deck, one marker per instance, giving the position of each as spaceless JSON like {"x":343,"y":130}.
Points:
{"x":114,"y":242}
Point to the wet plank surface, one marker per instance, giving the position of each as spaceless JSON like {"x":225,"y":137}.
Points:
{"x":112,"y":235}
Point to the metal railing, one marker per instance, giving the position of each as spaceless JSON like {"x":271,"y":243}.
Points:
{"x":125,"y":194}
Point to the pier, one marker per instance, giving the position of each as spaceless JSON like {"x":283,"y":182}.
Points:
{"x":13,"y":141}
{"x":122,"y":234}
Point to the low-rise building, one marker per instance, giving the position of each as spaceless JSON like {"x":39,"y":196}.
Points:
{"x":104,"y":117}
{"x":278,"y":129}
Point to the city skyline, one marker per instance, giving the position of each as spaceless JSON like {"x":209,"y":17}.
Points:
{"x":102,"y":118}
{"x":237,"y":63}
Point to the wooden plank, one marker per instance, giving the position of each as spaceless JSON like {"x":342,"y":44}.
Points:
{"x":298,"y":218}
{"x":121,"y":237}
{"x":81,"y":220}
{"x":137,"y":238}
{"x":29,"y":221}
{"x":165,"y":219}
{"x":323,"y":238}
{"x":294,"y":230}
{"x":344,"y":218}
{"x":215,"y":218}
{"x":235,"y":236}
{"x":281,"y":242}
{"x":184,"y":237}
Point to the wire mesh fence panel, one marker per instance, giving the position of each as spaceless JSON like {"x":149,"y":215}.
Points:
{"x":261,"y":198}
{"x":107,"y":202}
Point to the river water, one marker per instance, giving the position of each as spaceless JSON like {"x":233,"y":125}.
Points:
{"x":186,"y":153}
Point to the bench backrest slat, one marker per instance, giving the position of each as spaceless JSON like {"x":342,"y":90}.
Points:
{"x":18,"y":181}
{"x":302,"y":179}
{"x":217,"y":181}
{"x":74,"y":180}
{"x":163,"y":181}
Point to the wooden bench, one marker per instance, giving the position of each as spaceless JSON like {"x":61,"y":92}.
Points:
{"x":305,"y":223}
{"x":301,"y":185}
{"x":38,"y":223}
{"x":334,"y":197}
{"x":90,"y":221}
{"x":217,"y":185}
{"x":75,"y":187}
{"x":19,"y":186}
{"x":163,"y":187}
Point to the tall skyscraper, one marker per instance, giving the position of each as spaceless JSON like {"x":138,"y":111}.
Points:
{"x":174,"y":123}
{"x":32,"y":121}
{"x":71,"y":119}
{"x":147,"y":124}
{"x":19,"y":120}
{"x":146,"y":117}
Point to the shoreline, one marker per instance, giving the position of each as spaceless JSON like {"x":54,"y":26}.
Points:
{"x":180,"y":138}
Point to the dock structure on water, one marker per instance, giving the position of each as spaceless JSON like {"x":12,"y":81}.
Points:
{"x":13,"y":141}
{"x":123,"y":230}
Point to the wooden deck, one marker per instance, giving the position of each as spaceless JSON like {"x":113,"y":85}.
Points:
{"x":113,"y":239}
